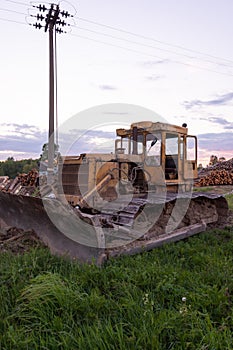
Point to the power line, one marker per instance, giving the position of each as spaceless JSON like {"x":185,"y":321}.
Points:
{"x":11,"y":20}
{"x":134,"y":42}
{"x":7,"y":10}
{"x":152,"y":39}
{"x":130,"y":41}
{"x":18,"y":2}
{"x":151,"y":55}
{"x":149,"y":46}
{"x":129,"y":49}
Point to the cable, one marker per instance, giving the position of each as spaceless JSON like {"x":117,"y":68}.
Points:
{"x":20,"y":13}
{"x":151,"y":55}
{"x":11,"y":20}
{"x":129,"y":41}
{"x":150,"y":46}
{"x":150,"y":38}
{"x":128,"y":49}
{"x":17,"y":2}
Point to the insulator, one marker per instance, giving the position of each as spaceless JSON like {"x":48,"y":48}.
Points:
{"x":61,"y":23}
{"x":37,"y":25}
{"x":59,"y":30}
{"x":65,"y":14}
{"x":40,"y":17}
{"x":42,"y":8}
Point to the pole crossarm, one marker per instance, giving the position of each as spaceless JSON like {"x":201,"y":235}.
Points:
{"x":52,"y":17}
{"x":50,"y":21}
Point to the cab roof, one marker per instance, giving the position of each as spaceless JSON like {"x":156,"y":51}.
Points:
{"x":150,"y":127}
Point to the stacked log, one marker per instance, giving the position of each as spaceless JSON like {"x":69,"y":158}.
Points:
{"x":216,"y":177}
{"x":227,"y":165}
{"x":28,"y":179}
{"x":23,"y":183}
{"x":4,"y":180}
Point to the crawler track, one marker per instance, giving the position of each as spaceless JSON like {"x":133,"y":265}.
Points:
{"x":125,"y":227}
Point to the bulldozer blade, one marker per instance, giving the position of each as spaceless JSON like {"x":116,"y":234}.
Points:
{"x":80,"y":236}
{"x":29,"y":213}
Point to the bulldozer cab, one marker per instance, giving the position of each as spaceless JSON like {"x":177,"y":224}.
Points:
{"x":160,"y":148}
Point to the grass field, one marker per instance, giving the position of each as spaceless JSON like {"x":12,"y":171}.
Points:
{"x":229,"y":198}
{"x":178,"y":296}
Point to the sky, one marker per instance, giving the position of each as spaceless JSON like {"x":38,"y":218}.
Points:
{"x":177,"y":62}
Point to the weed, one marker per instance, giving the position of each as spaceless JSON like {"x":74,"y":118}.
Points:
{"x":203,"y":189}
{"x":178,"y":296}
{"x":229,"y":198}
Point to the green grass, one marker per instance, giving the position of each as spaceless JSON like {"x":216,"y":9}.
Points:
{"x":229,"y":198}
{"x":131,"y":303}
{"x":203,"y":189}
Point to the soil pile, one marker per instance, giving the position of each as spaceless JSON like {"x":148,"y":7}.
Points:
{"x":17,"y":240}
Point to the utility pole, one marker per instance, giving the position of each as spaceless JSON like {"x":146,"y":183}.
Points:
{"x":52,"y":22}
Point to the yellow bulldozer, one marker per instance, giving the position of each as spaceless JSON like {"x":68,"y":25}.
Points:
{"x":148,"y":156}
{"x":124,"y":202}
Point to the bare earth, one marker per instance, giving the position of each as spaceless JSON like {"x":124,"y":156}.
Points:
{"x":17,"y":240}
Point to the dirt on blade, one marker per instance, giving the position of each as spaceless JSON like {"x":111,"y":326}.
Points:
{"x":18,"y":241}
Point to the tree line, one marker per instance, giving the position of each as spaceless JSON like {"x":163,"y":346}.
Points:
{"x":12,"y":168}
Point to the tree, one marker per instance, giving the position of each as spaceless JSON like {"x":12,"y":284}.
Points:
{"x":44,"y":154}
{"x":213,"y":160}
{"x":12,"y":167}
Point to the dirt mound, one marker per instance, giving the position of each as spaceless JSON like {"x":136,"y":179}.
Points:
{"x":17,"y":240}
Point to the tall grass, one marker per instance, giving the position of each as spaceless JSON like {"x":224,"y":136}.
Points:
{"x":229,"y":198}
{"x":178,"y":296}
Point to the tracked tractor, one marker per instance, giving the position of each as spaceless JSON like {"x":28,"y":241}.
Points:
{"x":148,"y":157}
{"x":133,"y":199}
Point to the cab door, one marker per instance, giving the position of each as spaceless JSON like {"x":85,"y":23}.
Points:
{"x":190,"y":157}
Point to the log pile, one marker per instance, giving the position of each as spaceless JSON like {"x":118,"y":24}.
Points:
{"x":24,"y":184}
{"x":216,"y":177}
{"x":227,"y":165}
{"x":218,"y":174}
{"x":28,"y":179}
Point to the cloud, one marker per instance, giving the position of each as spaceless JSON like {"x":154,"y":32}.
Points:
{"x":154,"y":77}
{"x":26,"y":141}
{"x":78,"y":141}
{"x":220,"y":121}
{"x":107,"y":87}
{"x":153,"y":63}
{"x":229,"y":127}
{"x":218,"y":142}
{"x":219,"y":100}
{"x":21,"y":141}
